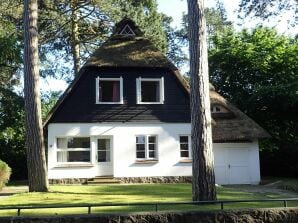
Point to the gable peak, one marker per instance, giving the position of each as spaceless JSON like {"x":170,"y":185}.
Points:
{"x":127,"y":27}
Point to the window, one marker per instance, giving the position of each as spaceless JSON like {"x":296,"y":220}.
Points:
{"x":215,"y":109}
{"x":104,"y":150}
{"x":150,"y":91}
{"x":185,"y":147}
{"x":73,"y":149}
{"x":109,"y":90}
{"x":146,"y":147}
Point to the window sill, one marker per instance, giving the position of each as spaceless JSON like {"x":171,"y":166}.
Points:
{"x":109,"y":103}
{"x":150,"y":103}
{"x":73,"y":165}
{"x":146,"y":161}
{"x":185,"y":161}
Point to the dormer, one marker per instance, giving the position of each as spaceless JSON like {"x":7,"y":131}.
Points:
{"x":220,"y":111}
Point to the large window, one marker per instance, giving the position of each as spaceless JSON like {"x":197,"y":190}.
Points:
{"x":185,"y":147}
{"x":109,"y":90}
{"x":76,"y":149}
{"x":146,"y":147}
{"x":150,"y":90}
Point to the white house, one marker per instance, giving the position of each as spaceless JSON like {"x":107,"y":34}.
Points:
{"x":127,"y":115}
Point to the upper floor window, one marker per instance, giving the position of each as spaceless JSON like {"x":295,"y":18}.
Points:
{"x":127,"y":31}
{"x":109,"y":90}
{"x":150,"y":91}
{"x":73,"y":149}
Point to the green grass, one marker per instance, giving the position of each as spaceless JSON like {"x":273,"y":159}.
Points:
{"x":128,"y":193}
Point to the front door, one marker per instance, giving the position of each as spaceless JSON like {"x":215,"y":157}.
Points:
{"x":104,"y":156}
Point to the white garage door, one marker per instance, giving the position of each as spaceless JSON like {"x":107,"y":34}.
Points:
{"x":231,"y":165}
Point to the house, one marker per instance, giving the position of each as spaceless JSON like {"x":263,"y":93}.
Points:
{"x":127,"y":115}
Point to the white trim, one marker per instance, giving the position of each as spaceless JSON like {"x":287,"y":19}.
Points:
{"x":120,"y":79}
{"x":127,"y":34}
{"x":139,"y":90}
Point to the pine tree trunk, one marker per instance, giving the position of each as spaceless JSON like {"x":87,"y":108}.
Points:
{"x":203,"y":186}
{"x":37,"y":172}
{"x":75,"y":42}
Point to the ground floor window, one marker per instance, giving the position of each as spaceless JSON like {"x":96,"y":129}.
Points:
{"x":146,"y":147}
{"x":73,"y":149}
{"x":185,"y":147}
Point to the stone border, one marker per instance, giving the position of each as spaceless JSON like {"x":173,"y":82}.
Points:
{"x":179,"y":179}
{"x":272,"y":215}
{"x":127,"y":180}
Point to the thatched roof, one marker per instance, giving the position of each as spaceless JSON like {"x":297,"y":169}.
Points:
{"x":129,"y":51}
{"x":236,"y":125}
{"x":137,"y":51}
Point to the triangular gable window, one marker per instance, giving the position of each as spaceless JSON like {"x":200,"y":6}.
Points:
{"x":127,"y":31}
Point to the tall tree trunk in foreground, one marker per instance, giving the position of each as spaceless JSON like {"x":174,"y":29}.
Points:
{"x":75,"y":42}
{"x":203,"y":181}
{"x":37,"y":173}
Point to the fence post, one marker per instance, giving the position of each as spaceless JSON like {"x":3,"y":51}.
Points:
{"x":156,"y":208}
{"x":221,"y":205}
{"x":89,"y":209}
{"x":285,"y":203}
{"x":19,"y":211}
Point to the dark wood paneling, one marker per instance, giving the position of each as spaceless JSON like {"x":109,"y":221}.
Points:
{"x":79,"y":105}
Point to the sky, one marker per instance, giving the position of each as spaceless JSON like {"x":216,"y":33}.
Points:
{"x":176,"y":8}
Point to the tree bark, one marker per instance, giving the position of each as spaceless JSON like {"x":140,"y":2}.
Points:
{"x":75,"y":41}
{"x":37,"y":172}
{"x":203,"y":186}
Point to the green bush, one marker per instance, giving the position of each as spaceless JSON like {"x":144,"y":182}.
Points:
{"x":5,"y":172}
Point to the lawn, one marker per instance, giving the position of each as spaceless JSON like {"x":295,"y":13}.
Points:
{"x":129,"y":193}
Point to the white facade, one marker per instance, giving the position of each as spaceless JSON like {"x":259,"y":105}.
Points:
{"x":235,"y":163}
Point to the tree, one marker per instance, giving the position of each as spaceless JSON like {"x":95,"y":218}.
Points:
{"x":266,"y":8}
{"x":36,"y":162}
{"x":257,"y":71}
{"x":203,"y":180}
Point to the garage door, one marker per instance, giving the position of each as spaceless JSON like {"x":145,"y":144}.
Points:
{"x":231,"y":165}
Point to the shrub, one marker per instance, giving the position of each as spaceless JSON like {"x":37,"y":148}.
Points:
{"x":5,"y":172}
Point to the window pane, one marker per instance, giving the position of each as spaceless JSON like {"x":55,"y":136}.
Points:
{"x":61,"y":143}
{"x":184,"y":154}
{"x":103,"y":144}
{"x":62,"y":156}
{"x":73,"y":156}
{"x":184,"y":139}
{"x":183,"y":146}
{"x":140,"y":147}
{"x":151,"y":147}
{"x":140,"y":154}
{"x":78,"y":142}
{"x":152,"y":139}
{"x":79,"y":156}
{"x":140,"y":139}
{"x":150,"y":91}
{"x":103,"y":156}
{"x":109,"y":91}
{"x":151,"y":154}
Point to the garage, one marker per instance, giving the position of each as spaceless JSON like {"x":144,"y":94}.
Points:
{"x":236,"y":163}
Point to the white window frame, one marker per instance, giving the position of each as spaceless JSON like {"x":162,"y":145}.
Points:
{"x":147,"y":147}
{"x":98,"y":79}
{"x":214,"y":109}
{"x":139,"y":90}
{"x":73,"y":149}
{"x":189,"y":147}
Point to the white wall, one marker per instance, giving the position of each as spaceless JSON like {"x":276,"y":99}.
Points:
{"x":124,"y":150}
